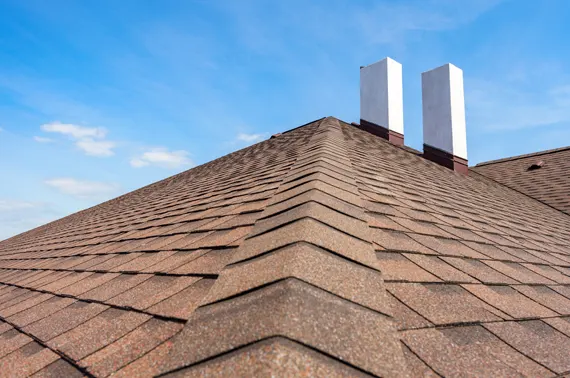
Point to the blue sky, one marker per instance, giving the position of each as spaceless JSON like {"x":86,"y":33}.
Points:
{"x":98,"y":98}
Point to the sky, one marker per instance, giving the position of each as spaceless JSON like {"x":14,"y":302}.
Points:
{"x":98,"y":98}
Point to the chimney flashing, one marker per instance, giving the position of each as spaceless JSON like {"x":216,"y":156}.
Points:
{"x":390,"y":135}
{"x":381,"y":100}
{"x":446,"y":159}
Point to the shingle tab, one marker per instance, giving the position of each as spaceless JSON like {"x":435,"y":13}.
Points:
{"x":515,"y":173}
{"x":537,"y":340}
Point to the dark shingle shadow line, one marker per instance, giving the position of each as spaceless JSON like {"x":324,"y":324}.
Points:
{"x":277,"y":337}
{"x":87,"y":300}
{"x":62,"y":355}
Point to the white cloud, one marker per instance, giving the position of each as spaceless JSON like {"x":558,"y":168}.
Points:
{"x":401,"y":18}
{"x":249,"y":138}
{"x":19,"y":216}
{"x":6,"y":206}
{"x":74,"y":131}
{"x":162,"y":157}
{"x":40,"y":139}
{"x":495,"y":107}
{"x":88,"y":139}
{"x":83,"y":189}
{"x":96,"y":147}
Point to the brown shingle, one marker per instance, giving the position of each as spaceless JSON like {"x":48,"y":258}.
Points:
{"x":447,"y":246}
{"x":24,"y":295}
{"x":12,"y":340}
{"x":470,"y":350}
{"x":211,"y":262}
{"x":90,"y":282}
{"x":405,"y":317}
{"x":561,"y":324}
{"x":57,"y":369}
{"x":152,"y":291}
{"x":285,"y":231}
{"x":276,"y":310}
{"x":537,"y":340}
{"x":443,"y":304}
{"x":273,"y":357}
{"x":174,"y":261}
{"x":517,"y":272}
{"x":398,"y":241}
{"x":395,"y":266}
{"x":480,"y":271}
{"x":130,"y":347}
{"x":510,"y":301}
{"x":546,"y":297}
{"x":143,"y":261}
{"x":64,"y":320}
{"x":310,"y":264}
{"x":31,"y":301}
{"x":26,"y":361}
{"x":182,"y":304}
{"x":40,"y":311}
{"x":310,"y":231}
{"x":97,"y":332}
{"x":417,"y":367}
{"x":440,"y":268}
{"x":115,"y":286}
{"x":515,"y":173}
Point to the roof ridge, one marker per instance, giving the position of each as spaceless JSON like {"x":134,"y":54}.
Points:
{"x":151,"y":186}
{"x":517,"y":157}
{"x":296,"y":263}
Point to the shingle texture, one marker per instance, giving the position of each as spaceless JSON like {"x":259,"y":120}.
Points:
{"x":325,"y":251}
{"x":543,"y":175}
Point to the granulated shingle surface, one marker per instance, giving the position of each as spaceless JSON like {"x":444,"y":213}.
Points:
{"x":515,"y":173}
{"x":323,"y":251}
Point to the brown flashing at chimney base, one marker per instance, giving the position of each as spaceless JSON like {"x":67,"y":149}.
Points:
{"x":446,"y":159}
{"x":382,"y":132}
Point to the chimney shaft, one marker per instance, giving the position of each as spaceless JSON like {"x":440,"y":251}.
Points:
{"x":381,"y":100}
{"x":445,"y":138}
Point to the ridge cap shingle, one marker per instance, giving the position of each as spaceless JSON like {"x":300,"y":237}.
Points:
{"x":320,"y":254}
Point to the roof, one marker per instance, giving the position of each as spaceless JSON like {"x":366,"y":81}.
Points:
{"x":543,"y":175}
{"x":325,"y":251}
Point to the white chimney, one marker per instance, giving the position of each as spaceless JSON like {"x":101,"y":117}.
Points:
{"x":381,"y":100}
{"x":445,"y":138}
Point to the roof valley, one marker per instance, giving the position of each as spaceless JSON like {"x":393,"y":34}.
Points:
{"x":305,"y":282}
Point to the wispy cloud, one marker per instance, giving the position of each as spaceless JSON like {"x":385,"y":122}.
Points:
{"x":6,"y":205}
{"x":88,"y":139}
{"x":40,"y":139}
{"x":90,"y":190}
{"x":398,"y":19}
{"x":162,"y":157}
{"x":249,"y":138}
{"x":74,"y":131}
{"x":96,"y":147}
{"x":17,"y":216}
{"x":494,"y":107}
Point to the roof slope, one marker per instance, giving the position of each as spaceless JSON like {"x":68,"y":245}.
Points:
{"x":325,"y":251}
{"x":549,"y":184}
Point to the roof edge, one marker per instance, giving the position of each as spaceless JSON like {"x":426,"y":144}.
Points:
{"x":539,"y":153}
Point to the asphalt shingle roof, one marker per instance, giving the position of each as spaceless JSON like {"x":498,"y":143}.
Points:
{"x":324,"y":251}
{"x":542,"y":175}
